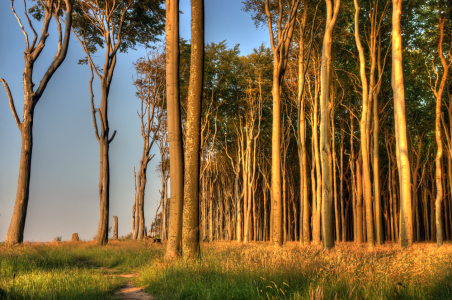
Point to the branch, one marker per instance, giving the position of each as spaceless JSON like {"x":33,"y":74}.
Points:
{"x":62,"y":50}
{"x":112,"y":137}
{"x":11,"y":103}
{"x":20,"y":24}
{"x":92,"y":103}
{"x":31,"y":26}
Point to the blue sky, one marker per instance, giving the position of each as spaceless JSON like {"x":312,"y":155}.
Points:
{"x":65,"y":166}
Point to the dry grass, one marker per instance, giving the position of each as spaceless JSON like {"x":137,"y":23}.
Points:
{"x":228,"y":271}
{"x":260,"y":270}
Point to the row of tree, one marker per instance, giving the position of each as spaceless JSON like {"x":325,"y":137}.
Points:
{"x":373,"y":177}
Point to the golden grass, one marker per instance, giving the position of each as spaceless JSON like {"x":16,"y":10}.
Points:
{"x":229,"y":270}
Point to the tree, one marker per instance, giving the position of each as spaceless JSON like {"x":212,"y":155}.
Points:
{"x":280,"y":43}
{"x":190,"y":235}
{"x":117,"y":26}
{"x":46,"y":10}
{"x":438,"y":93}
{"x":174,"y":129}
{"x":369,"y":93}
{"x":406,"y":227}
{"x":325,"y":152}
{"x":150,"y":84}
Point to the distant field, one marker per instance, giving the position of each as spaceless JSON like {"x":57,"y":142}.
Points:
{"x":227,"y":271}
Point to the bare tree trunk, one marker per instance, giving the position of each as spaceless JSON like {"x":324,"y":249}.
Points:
{"x":336,"y":208}
{"x":353,"y":183}
{"x":174,"y":129}
{"x":238,"y":206}
{"x":376,"y":158}
{"x":359,"y":203}
{"x":367,"y":187}
{"x":280,"y":55}
{"x":406,"y":234}
{"x":104,"y":182}
{"x":190,"y":235}
{"x":134,"y":210}
{"x":318,"y":197}
{"x":341,"y":187}
{"x":325,"y":124}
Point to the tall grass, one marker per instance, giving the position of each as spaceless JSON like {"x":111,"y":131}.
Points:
{"x":261,"y":271}
{"x":227,"y":271}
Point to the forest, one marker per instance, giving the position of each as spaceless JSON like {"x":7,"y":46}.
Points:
{"x":337,"y":134}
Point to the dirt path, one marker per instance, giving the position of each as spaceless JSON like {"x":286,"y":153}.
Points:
{"x":128,"y":292}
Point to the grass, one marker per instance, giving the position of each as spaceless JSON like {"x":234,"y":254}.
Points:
{"x":228,"y":271}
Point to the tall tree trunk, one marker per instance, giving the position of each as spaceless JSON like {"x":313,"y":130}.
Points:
{"x":406,"y":233}
{"x":367,"y":186}
{"x":174,"y":129}
{"x":318,"y":192}
{"x":376,"y":154}
{"x":104,"y":181}
{"x":190,"y":234}
{"x":341,"y":188}
{"x":16,"y":228}
{"x":353,"y":183}
{"x":325,"y":152}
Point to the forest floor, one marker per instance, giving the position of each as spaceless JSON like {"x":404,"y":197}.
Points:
{"x":226,"y":270}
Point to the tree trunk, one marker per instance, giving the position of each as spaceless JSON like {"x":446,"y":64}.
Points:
{"x":190,"y":235}
{"x":16,"y":228}
{"x":277,"y":206}
{"x":325,"y":153}
{"x":367,"y":186}
{"x":174,"y":129}
{"x":406,"y":234}
{"x":359,"y":203}
{"x":115,"y":228}
{"x":104,"y":182}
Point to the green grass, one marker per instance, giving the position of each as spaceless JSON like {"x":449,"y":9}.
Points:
{"x":62,"y":270}
{"x":227,"y":271}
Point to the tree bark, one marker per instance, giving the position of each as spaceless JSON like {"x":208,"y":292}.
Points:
{"x":325,"y":152}
{"x":174,"y":129}
{"x":406,"y":234}
{"x":190,"y":236}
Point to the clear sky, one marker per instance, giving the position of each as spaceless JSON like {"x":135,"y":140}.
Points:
{"x":65,"y":166}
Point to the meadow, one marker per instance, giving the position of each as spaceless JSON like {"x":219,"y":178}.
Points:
{"x":227,"y":270}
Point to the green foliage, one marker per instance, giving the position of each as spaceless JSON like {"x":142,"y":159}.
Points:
{"x":143,"y":21}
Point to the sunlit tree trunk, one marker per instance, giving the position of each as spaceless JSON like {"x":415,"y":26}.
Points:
{"x":367,"y":186}
{"x":325,"y":152}
{"x":190,"y":234}
{"x":359,"y":203}
{"x":280,"y":54}
{"x":406,"y":230}
{"x":174,"y":129}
